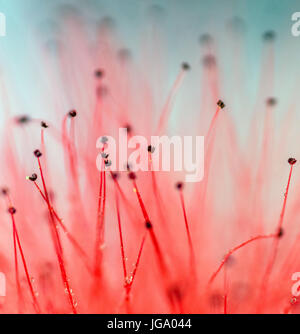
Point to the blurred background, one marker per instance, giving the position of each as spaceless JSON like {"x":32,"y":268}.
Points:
{"x":32,"y":22}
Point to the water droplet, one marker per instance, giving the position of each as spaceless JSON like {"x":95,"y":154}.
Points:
{"x":128,"y":280}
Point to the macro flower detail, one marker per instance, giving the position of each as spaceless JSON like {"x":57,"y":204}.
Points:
{"x":80,"y":235}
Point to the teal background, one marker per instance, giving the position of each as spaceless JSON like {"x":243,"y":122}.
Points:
{"x":181,"y":21}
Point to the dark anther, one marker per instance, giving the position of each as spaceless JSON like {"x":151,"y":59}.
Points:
{"x":23,"y":119}
{"x":179,"y":185}
{"x":107,"y":22}
{"x":99,"y":73}
{"x":156,"y":11}
{"x":12,"y":210}
{"x":205,"y":39}
{"x":221,"y":104}
{"x":237,"y":24}
{"x":4,"y":191}
{"x":128,"y":167}
{"x":132,"y":176}
{"x":107,"y":163}
{"x":33,"y":177}
{"x":128,"y":128}
{"x":292,"y":161}
{"x":148,"y":225}
{"x":72,"y":113}
{"x":185,"y":66}
{"x":124,"y":54}
{"x":280,"y":232}
{"x":114,"y":175}
{"x":37,"y":153}
{"x":151,"y":149}
{"x":104,"y":155}
{"x":269,"y":35}
{"x":229,"y":261}
{"x":44,"y":125}
{"x":104,"y":140}
{"x":271,"y":101}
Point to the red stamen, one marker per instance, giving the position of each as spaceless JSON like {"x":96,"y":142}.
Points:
{"x":167,"y":107}
{"x":192,"y":254}
{"x":152,"y":234}
{"x":237,"y":248}
{"x":19,"y":290}
{"x":141,"y":203}
{"x":71,"y":238}
{"x":57,"y":243}
{"x":120,"y":235}
{"x":100,"y":220}
{"x":131,"y":279}
{"x":279,"y":231}
{"x":16,"y":238}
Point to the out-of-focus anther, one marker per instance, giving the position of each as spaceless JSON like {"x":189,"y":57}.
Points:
{"x":99,"y":73}
{"x":229,"y":261}
{"x":23,"y":119}
{"x":4,"y":191}
{"x":205,"y":39}
{"x":269,"y":36}
{"x":179,"y":185}
{"x":271,"y":101}
{"x":237,"y":24}
{"x":124,"y":54}
{"x":148,"y":225}
{"x":132,"y":176}
{"x":107,"y":22}
{"x":104,"y":140}
{"x":185,"y":66}
{"x":115,"y":175}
